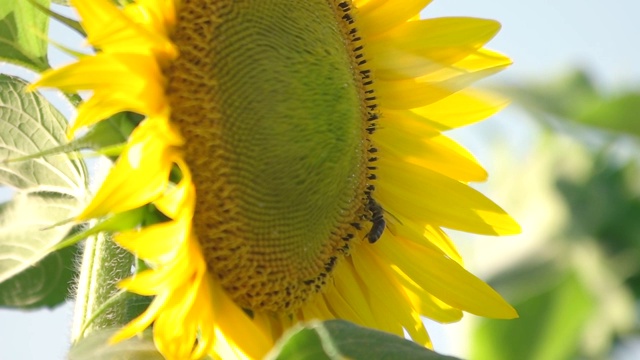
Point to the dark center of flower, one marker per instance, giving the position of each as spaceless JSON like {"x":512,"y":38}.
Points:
{"x":275,"y":104}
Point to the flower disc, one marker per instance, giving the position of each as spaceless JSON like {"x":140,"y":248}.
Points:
{"x":272,"y":114}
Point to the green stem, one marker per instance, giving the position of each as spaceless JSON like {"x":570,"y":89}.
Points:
{"x":98,"y":305}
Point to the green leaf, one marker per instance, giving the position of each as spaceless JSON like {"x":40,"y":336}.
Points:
{"x":28,"y":125}
{"x":110,"y":132}
{"x":576,"y":98}
{"x":72,"y":24}
{"x":553,"y":311}
{"x":96,"y":347}
{"x":24,"y":236}
{"x":49,"y":191}
{"x":338,"y":339}
{"x":62,"y":2}
{"x":47,"y":284}
{"x":561,"y":98}
{"x":106,"y":137}
{"x":23,"y":30}
{"x":620,"y":113}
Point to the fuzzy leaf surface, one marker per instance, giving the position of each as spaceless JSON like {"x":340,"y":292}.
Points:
{"x":48,"y":190}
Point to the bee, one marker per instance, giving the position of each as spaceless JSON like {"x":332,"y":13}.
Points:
{"x":377,"y":221}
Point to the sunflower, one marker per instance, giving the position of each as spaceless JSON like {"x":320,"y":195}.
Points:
{"x":296,"y":150}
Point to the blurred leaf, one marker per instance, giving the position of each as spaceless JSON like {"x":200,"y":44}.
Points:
{"x":599,"y":245}
{"x":619,"y":113}
{"x":95,"y":347}
{"x":338,"y":339}
{"x":26,"y":264}
{"x":562,"y":98}
{"x":48,"y":191}
{"x":23,"y":30}
{"x":607,"y":186}
{"x":62,"y":2}
{"x":549,"y":327}
{"x":605,"y":206}
{"x":576,"y":98}
{"x":46,"y":284}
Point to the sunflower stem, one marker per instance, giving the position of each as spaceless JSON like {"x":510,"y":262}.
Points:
{"x":98,"y":305}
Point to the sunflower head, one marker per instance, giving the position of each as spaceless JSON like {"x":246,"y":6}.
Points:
{"x":296,"y":155}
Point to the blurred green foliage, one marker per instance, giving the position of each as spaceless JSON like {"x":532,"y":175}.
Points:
{"x":577,"y":296}
{"x":577,"y":98}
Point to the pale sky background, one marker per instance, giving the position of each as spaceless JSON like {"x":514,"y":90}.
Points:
{"x":544,"y":38}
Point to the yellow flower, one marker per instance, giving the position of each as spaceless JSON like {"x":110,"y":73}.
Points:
{"x":314,"y":179}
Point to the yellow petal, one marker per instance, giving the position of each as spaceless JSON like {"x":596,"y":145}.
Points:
{"x":180,"y":196}
{"x":446,"y":280}
{"x":120,"y":82}
{"x":169,"y":338}
{"x":317,"y":308}
{"x":429,"y":305}
{"x":430,"y":236}
{"x":154,"y":282}
{"x":342,"y":309}
{"x":449,"y":203}
{"x":414,"y":93}
{"x":350,"y":295}
{"x":384,"y":288}
{"x":236,"y":326}
{"x":139,"y":324}
{"x":157,"y":243}
{"x":104,"y":104}
{"x":141,"y":174}
{"x":205,"y":317}
{"x":418,"y":47}
{"x":376,"y":17}
{"x":95,"y":72}
{"x":398,"y":138}
{"x":483,"y":59}
{"x":436,"y":236}
{"x":160,"y":16}
{"x":109,"y":29}
{"x":462,"y":108}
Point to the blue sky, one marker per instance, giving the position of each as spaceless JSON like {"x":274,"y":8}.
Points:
{"x":543,"y":37}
